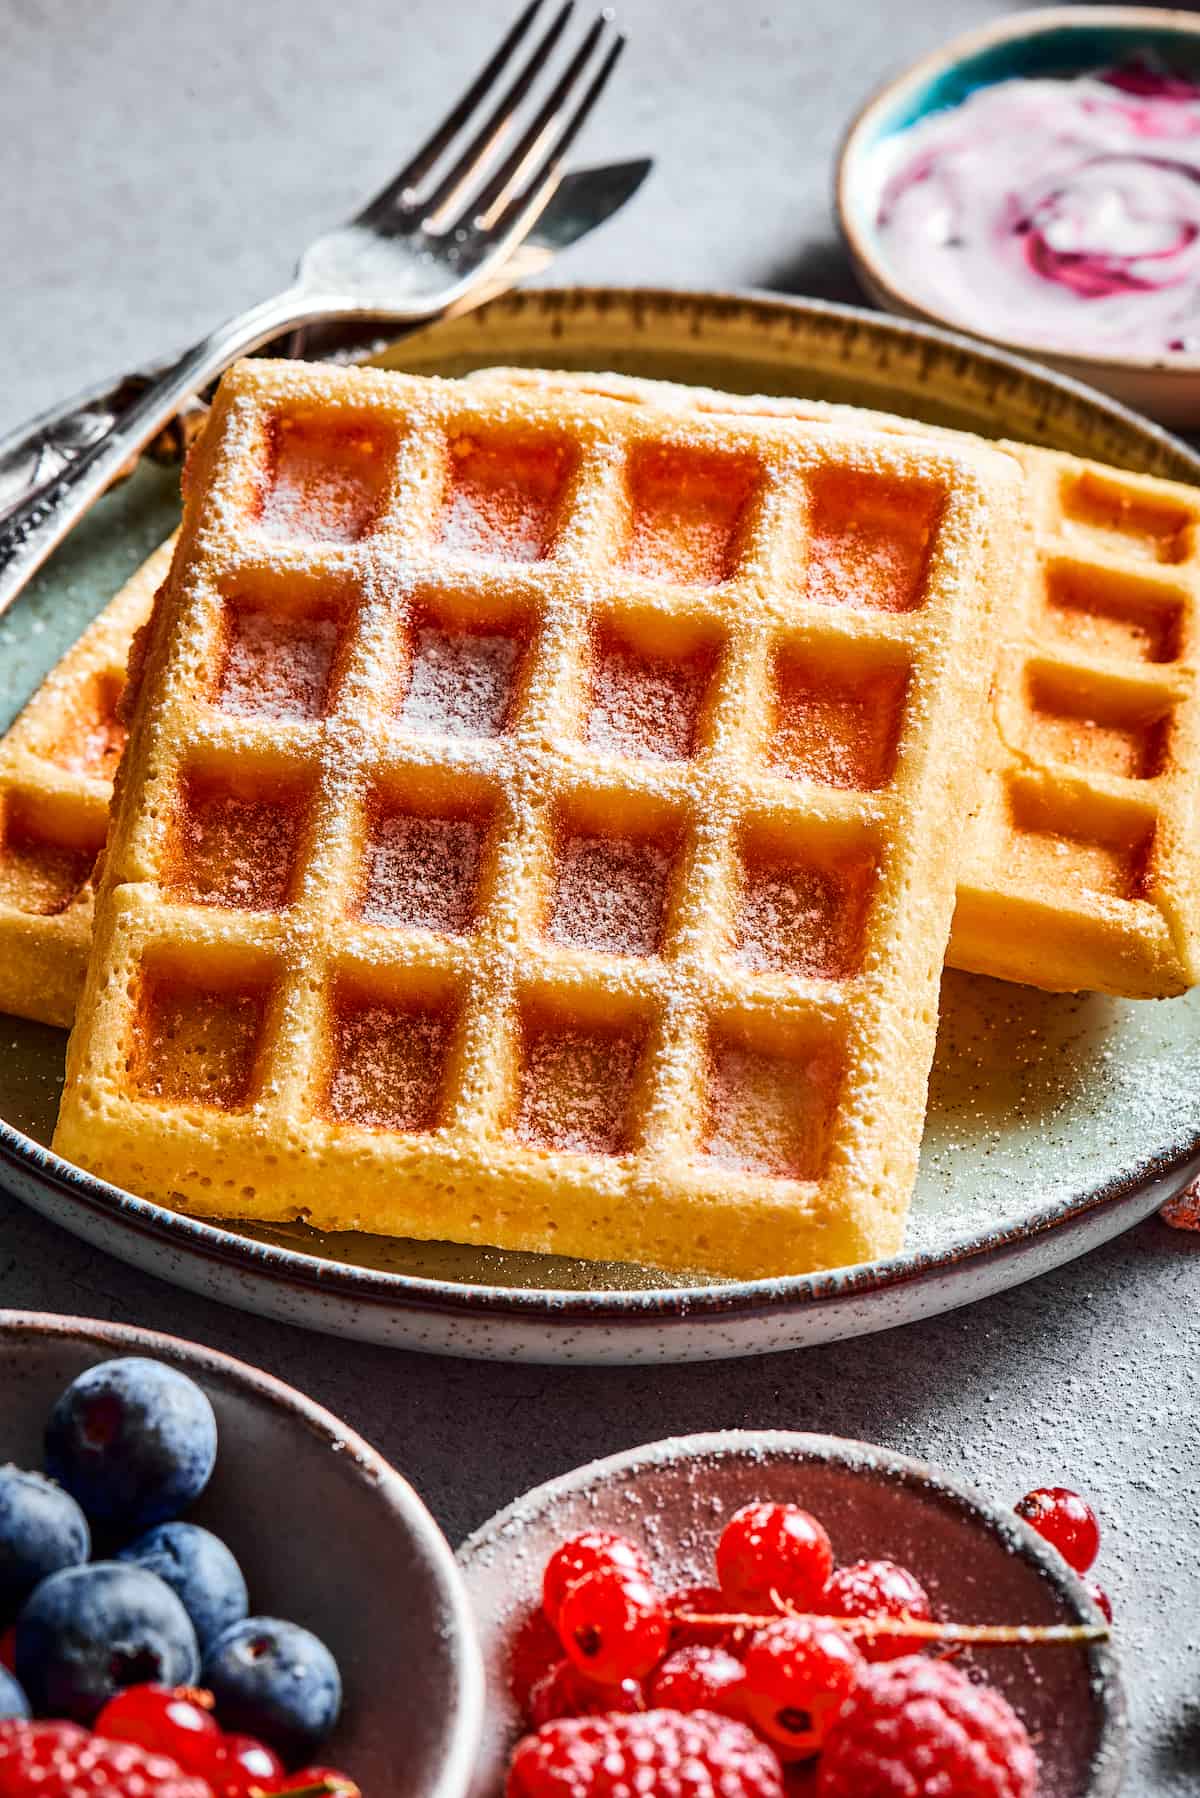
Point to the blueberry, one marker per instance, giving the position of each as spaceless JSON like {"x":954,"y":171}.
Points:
{"x":41,"y":1530}
{"x":88,"y":1632}
{"x":13,"y":1702}
{"x":199,"y":1569}
{"x":275,"y":1681}
{"x":134,"y":1441}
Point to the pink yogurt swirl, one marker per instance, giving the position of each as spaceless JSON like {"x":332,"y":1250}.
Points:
{"x":1060,"y":213}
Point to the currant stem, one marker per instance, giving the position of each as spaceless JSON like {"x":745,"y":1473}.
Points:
{"x":324,"y":1788}
{"x":917,"y":1628}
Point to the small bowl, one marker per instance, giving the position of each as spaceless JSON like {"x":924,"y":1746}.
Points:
{"x":1057,"y":41}
{"x":327,"y":1533}
{"x":979,"y":1562}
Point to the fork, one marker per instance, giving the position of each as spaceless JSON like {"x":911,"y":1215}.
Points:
{"x":416,"y":250}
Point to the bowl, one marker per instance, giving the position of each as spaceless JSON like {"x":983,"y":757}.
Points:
{"x":1055,"y":41}
{"x":979,"y":1562}
{"x":326,"y":1532}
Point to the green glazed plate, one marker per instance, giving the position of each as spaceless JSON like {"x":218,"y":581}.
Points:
{"x":1054,"y":1122}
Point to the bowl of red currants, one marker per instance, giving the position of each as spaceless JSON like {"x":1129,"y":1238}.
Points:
{"x":768,"y":1615}
{"x":211,"y":1588}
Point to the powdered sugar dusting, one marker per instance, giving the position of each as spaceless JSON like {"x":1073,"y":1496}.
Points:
{"x":421,"y":873}
{"x":502,"y":498}
{"x":324,"y":483}
{"x":841,"y":736}
{"x":233,"y":851}
{"x":870,"y":543}
{"x":768,"y":1114}
{"x":388,"y":1067}
{"x":460,"y":685}
{"x":644,"y":707}
{"x":686,"y":508}
{"x":576,"y":1090}
{"x":609,"y":895}
{"x":276,"y":667}
{"x":197,"y":1047}
{"x":805,"y":920}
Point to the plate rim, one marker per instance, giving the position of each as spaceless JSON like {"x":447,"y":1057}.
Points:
{"x":563,"y":1308}
{"x":761,"y":1446}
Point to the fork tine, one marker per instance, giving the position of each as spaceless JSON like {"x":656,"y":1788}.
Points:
{"x":420,"y":164}
{"x":522,"y":157}
{"x":520,"y":212}
{"x":494,"y":129}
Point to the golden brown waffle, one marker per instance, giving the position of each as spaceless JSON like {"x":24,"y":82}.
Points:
{"x":1081,"y":868}
{"x":509,"y":849}
{"x":56,"y":768}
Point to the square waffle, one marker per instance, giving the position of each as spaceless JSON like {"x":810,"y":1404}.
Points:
{"x":56,"y":768}
{"x":458,"y":883}
{"x":1081,"y":866}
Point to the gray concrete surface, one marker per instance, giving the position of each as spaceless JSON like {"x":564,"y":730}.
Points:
{"x":158,"y":165}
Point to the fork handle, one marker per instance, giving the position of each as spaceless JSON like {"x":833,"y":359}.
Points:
{"x":29,"y":535}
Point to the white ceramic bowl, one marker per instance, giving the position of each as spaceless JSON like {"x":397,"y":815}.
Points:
{"x":1059,"y":40}
{"x":979,"y":1562}
{"x":327,"y":1533}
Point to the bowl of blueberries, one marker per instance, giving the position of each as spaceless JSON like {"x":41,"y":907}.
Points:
{"x":211,"y":1588}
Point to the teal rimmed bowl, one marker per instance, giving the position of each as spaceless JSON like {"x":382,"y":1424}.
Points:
{"x":1059,"y":41}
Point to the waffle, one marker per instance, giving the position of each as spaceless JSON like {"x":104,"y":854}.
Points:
{"x":457,"y":883}
{"x":56,"y":768}
{"x":1080,"y":868}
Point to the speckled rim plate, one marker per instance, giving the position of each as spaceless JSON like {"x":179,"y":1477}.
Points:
{"x":977,"y":1558}
{"x":1084,"y":1119}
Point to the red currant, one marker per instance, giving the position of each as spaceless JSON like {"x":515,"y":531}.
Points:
{"x":588,"y":1553}
{"x":766,"y":1549}
{"x":534,"y":1650}
{"x":341,"y":1783}
{"x":243,"y":1768}
{"x":1066,"y":1521}
{"x":174,"y":1723}
{"x":565,"y":1692}
{"x":878,"y":1589}
{"x":699,"y":1601}
{"x":1099,"y":1598}
{"x":699,"y":1679}
{"x":613,"y":1626}
{"x":799,"y":1673}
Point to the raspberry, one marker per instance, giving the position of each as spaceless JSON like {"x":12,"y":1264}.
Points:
{"x":918,"y":1728}
{"x":588,"y":1553}
{"x":699,"y":1679}
{"x":672,"y":1756}
{"x":799,"y":1673}
{"x":613,"y":1626}
{"x":877,"y":1589}
{"x":1066,"y":1521}
{"x":564,"y":1692}
{"x":60,"y":1760}
{"x":766,"y":1549}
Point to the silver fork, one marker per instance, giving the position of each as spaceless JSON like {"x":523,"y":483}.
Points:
{"x":413,"y":252}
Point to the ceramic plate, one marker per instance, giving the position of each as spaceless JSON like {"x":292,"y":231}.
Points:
{"x":326,"y":1533}
{"x":1054,"y":1122}
{"x":979,"y":1564}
